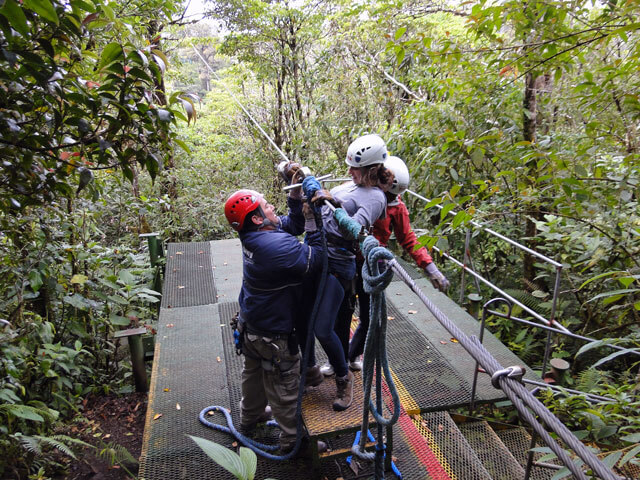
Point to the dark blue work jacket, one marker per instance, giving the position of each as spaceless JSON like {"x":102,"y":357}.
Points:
{"x":274,"y":265}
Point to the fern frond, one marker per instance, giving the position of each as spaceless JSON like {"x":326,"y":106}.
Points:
{"x":58,"y":442}
{"x":589,"y":379}
{"x":29,"y":443}
{"x":534,"y":303}
{"x":116,"y":454}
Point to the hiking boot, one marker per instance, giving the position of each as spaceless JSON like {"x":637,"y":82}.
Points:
{"x":305,"y":448}
{"x":344,"y":392}
{"x":355,"y":365}
{"x":314,"y":376}
{"x":327,"y":369}
{"x":248,"y":429}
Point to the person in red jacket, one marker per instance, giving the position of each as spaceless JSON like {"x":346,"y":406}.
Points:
{"x":396,"y":220}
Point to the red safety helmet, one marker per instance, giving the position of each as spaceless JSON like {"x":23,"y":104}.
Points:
{"x":238,"y":205}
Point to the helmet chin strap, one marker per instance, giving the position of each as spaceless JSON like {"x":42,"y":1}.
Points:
{"x":266,"y":222}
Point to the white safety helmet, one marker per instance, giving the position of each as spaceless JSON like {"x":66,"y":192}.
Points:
{"x":400,"y":175}
{"x":366,"y":150}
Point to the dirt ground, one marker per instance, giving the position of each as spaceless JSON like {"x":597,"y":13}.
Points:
{"x":112,"y":422}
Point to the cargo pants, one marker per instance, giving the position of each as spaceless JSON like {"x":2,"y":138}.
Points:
{"x":271,"y":375}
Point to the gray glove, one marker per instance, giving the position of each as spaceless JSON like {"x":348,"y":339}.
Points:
{"x":438,"y":280}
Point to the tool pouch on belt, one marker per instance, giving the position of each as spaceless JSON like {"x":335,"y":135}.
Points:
{"x":237,"y":323}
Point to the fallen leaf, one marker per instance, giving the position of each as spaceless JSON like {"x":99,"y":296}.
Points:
{"x":177,"y":406}
{"x":178,"y":253}
{"x":411,"y":312}
{"x":136,"y":407}
{"x":107,"y":435}
{"x":454,"y":340}
{"x":180,"y":287}
{"x":443,"y":342}
{"x":128,"y":434}
{"x":157,"y":416}
{"x":218,"y":359}
{"x":167,"y":389}
{"x":115,"y":466}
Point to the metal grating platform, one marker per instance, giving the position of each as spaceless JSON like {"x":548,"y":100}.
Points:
{"x":188,"y":276}
{"x":196,"y":367}
{"x":517,"y":441}
{"x":186,"y":377}
{"x":425,"y":373}
{"x":495,"y":456}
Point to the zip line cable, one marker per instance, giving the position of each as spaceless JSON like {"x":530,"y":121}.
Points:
{"x":255,"y":122}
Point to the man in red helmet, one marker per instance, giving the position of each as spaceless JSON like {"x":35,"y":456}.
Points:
{"x":274,"y":266}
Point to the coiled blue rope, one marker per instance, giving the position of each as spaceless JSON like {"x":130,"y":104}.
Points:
{"x":376,"y":276}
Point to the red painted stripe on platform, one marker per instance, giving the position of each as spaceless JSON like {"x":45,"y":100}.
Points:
{"x":420,"y":445}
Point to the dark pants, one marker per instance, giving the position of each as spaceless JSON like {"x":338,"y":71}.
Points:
{"x":356,"y":346}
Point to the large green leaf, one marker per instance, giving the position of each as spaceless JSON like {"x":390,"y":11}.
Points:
{"x":110,"y":53}
{"x":224,"y":457}
{"x":12,"y":12}
{"x":23,"y":411}
{"x":614,"y":355}
{"x":250,"y":461}
{"x":43,"y":8}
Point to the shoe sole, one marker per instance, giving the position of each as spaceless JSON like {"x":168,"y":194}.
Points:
{"x":340,"y":408}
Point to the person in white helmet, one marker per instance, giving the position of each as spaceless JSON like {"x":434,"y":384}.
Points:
{"x":396,"y":220}
{"x":364,"y":200}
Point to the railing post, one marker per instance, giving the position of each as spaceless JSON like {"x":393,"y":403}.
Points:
{"x":473,"y":307}
{"x":134,"y":338}
{"x":155,"y":246}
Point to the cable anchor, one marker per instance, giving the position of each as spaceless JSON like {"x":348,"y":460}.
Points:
{"x":515,"y":372}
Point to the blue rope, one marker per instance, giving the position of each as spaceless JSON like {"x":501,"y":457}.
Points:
{"x":261,"y":448}
{"x":376,"y":276}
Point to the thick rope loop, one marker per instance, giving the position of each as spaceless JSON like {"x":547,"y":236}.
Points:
{"x":376,"y":276}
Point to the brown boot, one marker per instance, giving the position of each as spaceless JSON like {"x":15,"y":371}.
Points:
{"x":344,"y":395}
{"x":314,"y":377}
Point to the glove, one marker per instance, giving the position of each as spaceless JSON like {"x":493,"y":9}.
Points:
{"x":438,"y":280}
{"x":310,"y":186}
{"x":322,"y":196}
{"x":289,"y":171}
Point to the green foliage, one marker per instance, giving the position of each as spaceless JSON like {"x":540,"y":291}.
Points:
{"x":242,"y":466}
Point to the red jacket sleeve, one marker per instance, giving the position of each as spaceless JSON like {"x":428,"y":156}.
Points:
{"x":398,"y":216}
